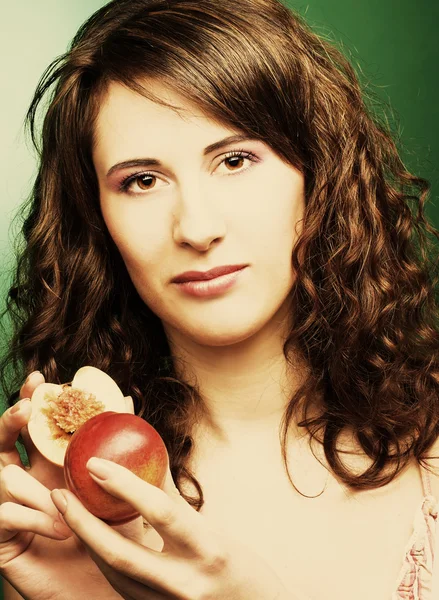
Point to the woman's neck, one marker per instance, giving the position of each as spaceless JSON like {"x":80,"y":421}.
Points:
{"x":245,"y":387}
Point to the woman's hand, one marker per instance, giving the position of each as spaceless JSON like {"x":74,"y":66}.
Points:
{"x":196,"y":562}
{"x":26,"y":508}
{"x":39,"y":555}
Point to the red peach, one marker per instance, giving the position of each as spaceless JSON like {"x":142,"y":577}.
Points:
{"x":122,"y":438}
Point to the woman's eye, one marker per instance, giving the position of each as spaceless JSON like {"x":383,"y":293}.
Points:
{"x":138,"y":183}
{"x":142,"y":182}
{"x":237,"y":158}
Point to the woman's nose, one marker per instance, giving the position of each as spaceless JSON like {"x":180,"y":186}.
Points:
{"x":197,"y":222}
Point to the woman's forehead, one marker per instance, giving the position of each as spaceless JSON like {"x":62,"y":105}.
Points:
{"x":126,"y":118}
{"x":119,"y":98}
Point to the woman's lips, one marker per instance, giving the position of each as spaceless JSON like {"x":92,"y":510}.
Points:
{"x":211,"y":287}
{"x":205,"y":275}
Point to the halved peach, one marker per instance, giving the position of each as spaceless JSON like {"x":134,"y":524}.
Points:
{"x":59,"y":410}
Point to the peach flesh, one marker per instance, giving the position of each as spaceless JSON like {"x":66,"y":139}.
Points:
{"x":59,"y":410}
{"x":125,"y":439}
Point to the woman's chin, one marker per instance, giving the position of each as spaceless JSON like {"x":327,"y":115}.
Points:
{"x":217,"y":332}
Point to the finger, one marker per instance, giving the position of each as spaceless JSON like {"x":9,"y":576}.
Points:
{"x":127,"y":587}
{"x":17,"y":485}
{"x":15,"y":518}
{"x":134,"y":530}
{"x":15,"y":418}
{"x":116,"y":555}
{"x":32,"y":382}
{"x":11,"y":423}
{"x":174,"y":519}
{"x":169,"y":486}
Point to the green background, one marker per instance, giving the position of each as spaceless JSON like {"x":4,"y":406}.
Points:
{"x":391,"y":43}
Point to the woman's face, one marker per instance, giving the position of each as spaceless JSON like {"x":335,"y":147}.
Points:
{"x":194,"y":209}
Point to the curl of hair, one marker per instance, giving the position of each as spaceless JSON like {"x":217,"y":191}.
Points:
{"x":364,"y":305}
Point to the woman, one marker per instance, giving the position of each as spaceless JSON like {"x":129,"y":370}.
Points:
{"x":296,"y":387}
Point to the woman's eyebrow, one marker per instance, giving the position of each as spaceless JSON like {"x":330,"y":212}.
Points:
{"x":154,"y":162}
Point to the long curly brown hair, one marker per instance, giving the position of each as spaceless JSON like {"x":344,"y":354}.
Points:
{"x":364,"y":296}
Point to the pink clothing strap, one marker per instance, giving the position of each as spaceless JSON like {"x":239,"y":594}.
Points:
{"x":416,"y":579}
{"x":426,"y":480}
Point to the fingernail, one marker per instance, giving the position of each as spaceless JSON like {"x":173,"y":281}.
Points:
{"x":20,"y":406}
{"x":99,"y":467}
{"x":62,"y":529}
{"x":59,"y":500}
